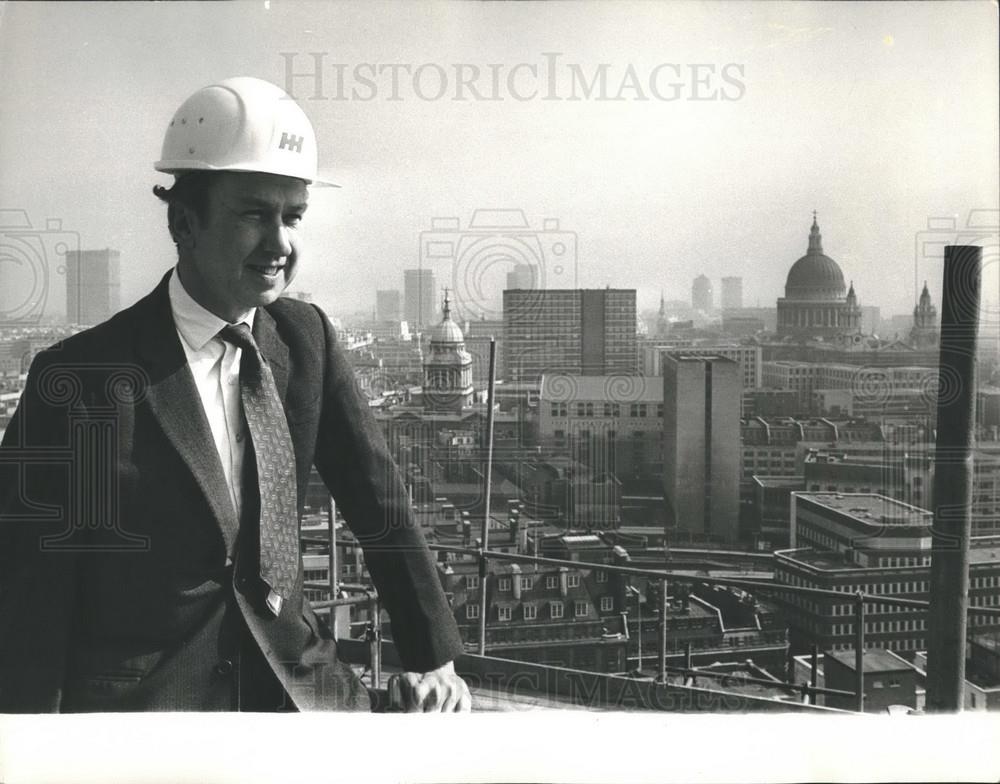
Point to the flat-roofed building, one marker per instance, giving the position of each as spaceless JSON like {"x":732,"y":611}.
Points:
{"x":888,"y":680}
{"x":611,"y":423}
{"x":576,"y":331}
{"x":873,"y":544}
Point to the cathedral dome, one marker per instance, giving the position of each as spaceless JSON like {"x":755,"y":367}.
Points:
{"x":447,"y":331}
{"x":815,"y":276}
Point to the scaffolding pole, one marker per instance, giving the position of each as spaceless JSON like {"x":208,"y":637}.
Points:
{"x":953,"y":474}
{"x":484,"y":542}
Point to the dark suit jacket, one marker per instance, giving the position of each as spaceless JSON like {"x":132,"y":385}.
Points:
{"x":115,"y":592}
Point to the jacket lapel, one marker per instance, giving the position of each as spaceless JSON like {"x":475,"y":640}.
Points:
{"x":173,"y":401}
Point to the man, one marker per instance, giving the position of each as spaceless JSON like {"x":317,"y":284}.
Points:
{"x":155,"y":471}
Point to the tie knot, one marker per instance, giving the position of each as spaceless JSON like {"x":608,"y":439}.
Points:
{"x":239,"y":335}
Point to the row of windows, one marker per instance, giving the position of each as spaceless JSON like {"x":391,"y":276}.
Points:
{"x":882,"y":627}
{"x":909,"y":644}
{"x":530,"y":611}
{"x":894,"y":562}
{"x":528,"y":582}
{"x":915,"y":586}
{"x":878,"y":608}
{"x":611,"y":410}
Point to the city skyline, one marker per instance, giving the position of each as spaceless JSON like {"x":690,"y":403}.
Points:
{"x":726,"y":391}
{"x":879,"y":144}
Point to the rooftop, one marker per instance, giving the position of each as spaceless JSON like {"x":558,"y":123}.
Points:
{"x":871,"y":508}
{"x":989,"y":640}
{"x":821,"y":559}
{"x":874,"y":660}
{"x":982,"y":551}
{"x":788,"y":482}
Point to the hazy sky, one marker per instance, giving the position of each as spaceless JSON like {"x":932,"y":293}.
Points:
{"x":878,"y":116}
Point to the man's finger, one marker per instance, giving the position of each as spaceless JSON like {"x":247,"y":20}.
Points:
{"x":451,"y":700}
{"x":464,"y":699}
{"x":431,"y":701}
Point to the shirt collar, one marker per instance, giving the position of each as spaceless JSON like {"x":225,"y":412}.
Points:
{"x":196,"y":325}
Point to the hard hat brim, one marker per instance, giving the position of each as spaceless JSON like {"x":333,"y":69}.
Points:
{"x":178,"y":168}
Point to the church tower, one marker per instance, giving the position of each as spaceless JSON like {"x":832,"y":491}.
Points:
{"x":851,"y":315}
{"x":448,"y":367}
{"x":925,"y":322}
{"x":662,"y":325}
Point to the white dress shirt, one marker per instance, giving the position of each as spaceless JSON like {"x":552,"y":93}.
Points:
{"x":215,"y":365}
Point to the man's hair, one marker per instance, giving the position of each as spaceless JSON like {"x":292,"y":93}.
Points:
{"x":189,"y":190}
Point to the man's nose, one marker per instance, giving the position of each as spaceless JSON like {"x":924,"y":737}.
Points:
{"x":277,"y":240}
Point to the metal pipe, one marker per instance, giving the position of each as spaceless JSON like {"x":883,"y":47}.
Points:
{"x":859,"y":652}
{"x":638,"y":634}
{"x":484,"y":542}
{"x":663,"y":631}
{"x":804,"y":688}
{"x":331,"y":520}
{"x":344,"y":601}
{"x":953,"y":474}
{"x":754,"y":585}
{"x":375,"y":640}
{"x":814,"y":668}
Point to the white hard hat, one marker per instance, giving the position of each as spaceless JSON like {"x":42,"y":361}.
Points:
{"x":241,"y":124}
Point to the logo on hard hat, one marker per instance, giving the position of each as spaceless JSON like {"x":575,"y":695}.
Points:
{"x":290,"y":142}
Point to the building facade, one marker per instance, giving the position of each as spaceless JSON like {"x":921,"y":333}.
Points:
{"x":419,"y":298}
{"x":876,"y":545}
{"x":93,"y":285}
{"x":612,"y":423}
{"x":732,"y":293}
{"x":701,"y":294}
{"x":748,"y":358}
{"x":572,"y":331}
{"x":701,"y":445}
{"x":388,"y":306}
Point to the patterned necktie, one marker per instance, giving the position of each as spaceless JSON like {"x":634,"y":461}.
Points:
{"x":272,"y":446}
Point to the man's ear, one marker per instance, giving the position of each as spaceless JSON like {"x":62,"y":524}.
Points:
{"x":182,"y":222}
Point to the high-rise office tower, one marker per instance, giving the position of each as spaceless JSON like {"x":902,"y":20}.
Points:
{"x":419,"y":301}
{"x":387,"y":305}
{"x":574,"y":331}
{"x":93,"y":287}
{"x":522,"y":277}
{"x":701,"y":294}
{"x":701,"y":445}
{"x":732,"y":293}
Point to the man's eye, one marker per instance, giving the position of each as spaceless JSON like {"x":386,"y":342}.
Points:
{"x":293,"y":220}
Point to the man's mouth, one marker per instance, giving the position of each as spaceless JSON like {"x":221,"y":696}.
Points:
{"x":267,"y":270}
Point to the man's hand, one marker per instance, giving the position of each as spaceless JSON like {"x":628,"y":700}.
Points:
{"x":437,"y":691}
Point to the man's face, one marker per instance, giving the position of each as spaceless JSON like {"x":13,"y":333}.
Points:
{"x":243,"y":253}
